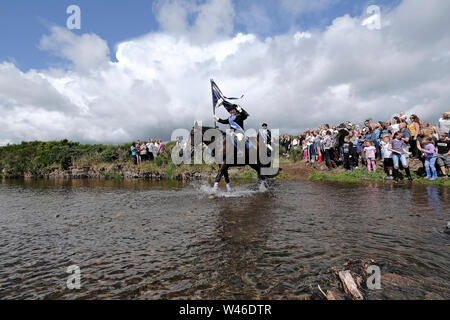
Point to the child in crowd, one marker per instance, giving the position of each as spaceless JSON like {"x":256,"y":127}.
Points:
{"x":312,"y":148}
{"x":355,"y":141}
{"x":388,"y":164}
{"x":443,"y":156}
{"x":305,"y":150}
{"x":317,"y":145}
{"x":348,"y":153}
{"x":370,"y":151}
{"x":398,"y":148}
{"x":138,"y":154}
{"x":133,"y":153}
{"x":430,"y":153}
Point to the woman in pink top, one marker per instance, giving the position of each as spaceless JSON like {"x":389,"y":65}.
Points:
{"x":161,"y":147}
{"x":370,"y":156}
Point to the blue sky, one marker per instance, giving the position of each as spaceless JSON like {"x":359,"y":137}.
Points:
{"x":314,"y":61}
{"x":24,"y":22}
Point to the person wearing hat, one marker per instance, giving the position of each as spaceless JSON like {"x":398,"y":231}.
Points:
{"x":236,"y":122}
{"x":266,"y":135}
{"x":236,"y":119}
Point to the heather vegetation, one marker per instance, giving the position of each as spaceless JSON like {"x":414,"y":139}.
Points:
{"x":36,"y":157}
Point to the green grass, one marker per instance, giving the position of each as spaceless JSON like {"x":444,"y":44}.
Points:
{"x":295,"y":155}
{"x":198,"y":167}
{"x":113,"y":175}
{"x":438,"y":182}
{"x":147,"y":166}
{"x":362,"y":175}
{"x":247,"y":174}
{"x":171,"y":171}
{"x":283,"y":176}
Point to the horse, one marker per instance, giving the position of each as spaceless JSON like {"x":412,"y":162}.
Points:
{"x":257,"y":165}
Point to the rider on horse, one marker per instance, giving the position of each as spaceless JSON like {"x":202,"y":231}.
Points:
{"x":237,"y":137}
{"x":236,"y":122}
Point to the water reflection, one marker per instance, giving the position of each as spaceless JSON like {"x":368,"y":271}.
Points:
{"x":76,"y":184}
{"x":433,"y":197}
{"x":243,"y":227}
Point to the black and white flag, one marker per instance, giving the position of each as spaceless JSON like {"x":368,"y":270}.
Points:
{"x":220,"y":100}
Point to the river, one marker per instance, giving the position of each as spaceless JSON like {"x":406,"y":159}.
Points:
{"x":148,"y":240}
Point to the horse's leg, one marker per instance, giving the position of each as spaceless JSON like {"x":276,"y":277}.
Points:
{"x":257,"y":168}
{"x":227,"y":178}
{"x":223,"y":168}
{"x":261,"y":179}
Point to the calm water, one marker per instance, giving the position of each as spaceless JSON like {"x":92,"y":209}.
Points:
{"x":143,"y":240}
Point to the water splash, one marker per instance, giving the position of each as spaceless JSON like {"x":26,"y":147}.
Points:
{"x":239,"y":191}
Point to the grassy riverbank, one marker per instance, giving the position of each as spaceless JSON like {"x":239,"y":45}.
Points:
{"x":362,"y":175}
{"x":39,"y":158}
{"x":66,"y":159}
{"x":299,"y":170}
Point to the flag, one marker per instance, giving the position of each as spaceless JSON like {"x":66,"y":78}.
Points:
{"x":220,"y":100}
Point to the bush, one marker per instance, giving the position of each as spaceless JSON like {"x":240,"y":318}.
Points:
{"x":34,"y":157}
{"x":159,"y":161}
{"x":295,"y":155}
{"x":109,"y":155}
{"x":171,"y":171}
{"x":282,"y":150}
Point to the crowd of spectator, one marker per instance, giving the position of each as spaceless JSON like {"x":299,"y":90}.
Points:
{"x":384,"y":144}
{"x":146,"y":151}
{"x":387,"y":145}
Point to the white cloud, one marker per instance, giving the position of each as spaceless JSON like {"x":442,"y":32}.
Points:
{"x":292,"y":81}
{"x":86,"y":52}
{"x":213,"y":19}
{"x":301,"y":6}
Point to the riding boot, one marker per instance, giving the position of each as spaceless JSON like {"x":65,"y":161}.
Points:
{"x":396,"y":175}
{"x":408,"y":174}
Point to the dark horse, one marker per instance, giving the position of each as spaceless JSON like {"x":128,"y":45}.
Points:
{"x":257,"y":165}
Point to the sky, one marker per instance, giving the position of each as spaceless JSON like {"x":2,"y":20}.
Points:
{"x":140,"y":69}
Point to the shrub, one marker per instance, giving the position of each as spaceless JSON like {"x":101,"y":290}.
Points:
{"x":159,"y":161}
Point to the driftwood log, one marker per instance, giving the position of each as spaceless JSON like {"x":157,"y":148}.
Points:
{"x":350,"y":286}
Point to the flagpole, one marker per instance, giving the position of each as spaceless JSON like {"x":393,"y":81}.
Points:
{"x":214,"y":107}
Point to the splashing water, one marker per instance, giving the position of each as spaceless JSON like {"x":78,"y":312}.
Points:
{"x":244,"y":190}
